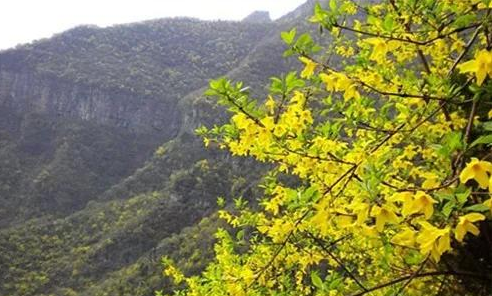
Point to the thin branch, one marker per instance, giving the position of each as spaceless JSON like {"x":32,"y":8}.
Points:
{"x":465,"y":50}
{"x":233,"y":101}
{"x":425,"y":274}
{"x":338,"y":261}
{"x":421,"y":43}
{"x":402,"y":288}
{"x":470,"y":121}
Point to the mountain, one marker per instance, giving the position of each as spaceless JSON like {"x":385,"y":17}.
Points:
{"x":100,"y":171}
{"x":258,"y":17}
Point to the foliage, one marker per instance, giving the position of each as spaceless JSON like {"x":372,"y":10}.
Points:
{"x":83,"y":205}
{"x":115,"y":245}
{"x":391,"y":146}
{"x":165,"y":57}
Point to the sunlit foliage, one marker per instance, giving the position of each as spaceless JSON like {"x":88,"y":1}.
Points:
{"x":386,"y":131}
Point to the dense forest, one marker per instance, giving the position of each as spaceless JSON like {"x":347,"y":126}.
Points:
{"x":101,"y":170}
{"x":343,"y":149}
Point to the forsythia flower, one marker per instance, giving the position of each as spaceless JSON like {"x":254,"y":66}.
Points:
{"x":405,"y":238}
{"x":380,"y":48}
{"x":477,"y":170}
{"x":340,"y":82}
{"x":433,"y":240}
{"x":383,"y":215}
{"x":309,"y":68}
{"x":465,"y":225}
{"x":423,"y":203}
{"x":481,"y":66}
{"x":270,"y":104}
{"x":484,"y":6}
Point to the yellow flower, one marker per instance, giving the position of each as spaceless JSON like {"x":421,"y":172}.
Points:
{"x":481,"y":66}
{"x":351,"y":92}
{"x":340,"y":82}
{"x":489,"y":115}
{"x":268,"y":122}
{"x":484,"y":6}
{"x":309,"y":68}
{"x":404,"y":238}
{"x":465,"y":225}
{"x":384,"y":215}
{"x":433,"y":240}
{"x":477,"y":170}
{"x":329,"y":80}
{"x":406,"y":198}
{"x":270,"y":104}
{"x":380,"y":48}
{"x":423,"y":203}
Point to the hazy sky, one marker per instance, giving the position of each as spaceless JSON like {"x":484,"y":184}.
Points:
{"x":22,"y":21}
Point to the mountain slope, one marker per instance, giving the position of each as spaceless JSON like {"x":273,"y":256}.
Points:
{"x":101,"y":169}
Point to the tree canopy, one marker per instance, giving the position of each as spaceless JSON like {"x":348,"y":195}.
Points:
{"x":385,"y":135}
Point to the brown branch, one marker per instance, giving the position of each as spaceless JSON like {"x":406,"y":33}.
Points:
{"x":407,"y":40}
{"x":465,"y":51}
{"x":333,"y":157}
{"x":339,"y":262}
{"x":401,"y":95}
{"x":425,"y":274}
{"x":470,"y":121}
{"x":241,"y":108}
{"x":412,"y":277}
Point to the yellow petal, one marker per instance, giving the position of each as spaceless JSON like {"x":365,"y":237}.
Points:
{"x":472,"y":229}
{"x":470,"y":66}
{"x":344,"y":221}
{"x":460,"y":232}
{"x":444,"y":244}
{"x":466,"y":174}
{"x":309,"y":68}
{"x":481,"y":75}
{"x":482,"y":179}
{"x":477,"y":170}
{"x":405,"y":238}
{"x":473,"y":217}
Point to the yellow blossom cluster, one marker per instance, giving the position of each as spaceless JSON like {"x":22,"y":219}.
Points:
{"x":388,"y":154}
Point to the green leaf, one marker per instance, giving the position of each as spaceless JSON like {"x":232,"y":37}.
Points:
{"x":388,"y":22}
{"x":477,"y":208}
{"x":487,"y":126}
{"x":288,"y":37}
{"x":240,"y":234}
{"x":464,"y":20}
{"x":316,"y":280}
{"x":487,"y":139}
{"x":304,"y":40}
{"x":289,"y":52}
{"x":448,"y":208}
{"x":463,"y":197}
{"x":333,"y":5}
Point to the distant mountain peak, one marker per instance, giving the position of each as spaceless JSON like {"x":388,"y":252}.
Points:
{"x":258,"y":17}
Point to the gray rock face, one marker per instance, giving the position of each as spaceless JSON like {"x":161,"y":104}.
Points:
{"x":27,"y":92}
{"x":258,"y":17}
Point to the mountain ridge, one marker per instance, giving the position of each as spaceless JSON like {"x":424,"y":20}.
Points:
{"x":63,"y":235}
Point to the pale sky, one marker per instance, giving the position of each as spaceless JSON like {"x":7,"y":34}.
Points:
{"x":22,"y":21}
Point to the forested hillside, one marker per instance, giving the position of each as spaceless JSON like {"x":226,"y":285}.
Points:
{"x":101,"y":172}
